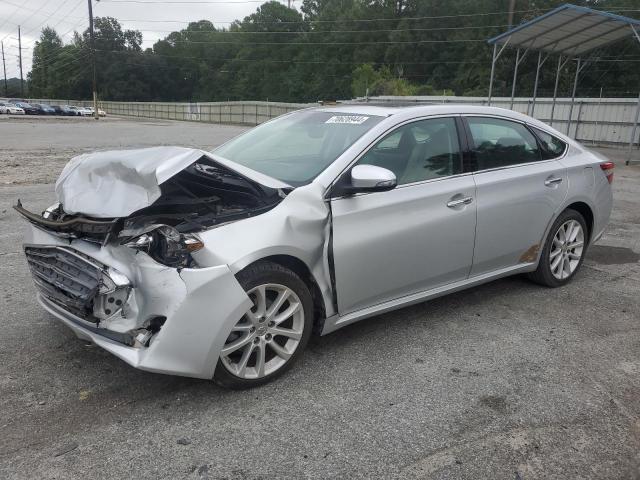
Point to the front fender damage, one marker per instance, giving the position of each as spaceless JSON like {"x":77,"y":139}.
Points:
{"x":298,"y":227}
{"x":191,"y":342}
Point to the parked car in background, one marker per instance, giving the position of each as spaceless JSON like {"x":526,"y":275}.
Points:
{"x":84,"y":111}
{"x":63,"y":110}
{"x":80,"y":111}
{"x":27,"y":107}
{"x":44,"y":109}
{"x":221,"y":264}
{"x":10,"y":108}
{"x":101,"y":112}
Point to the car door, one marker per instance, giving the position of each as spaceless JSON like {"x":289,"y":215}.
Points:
{"x":518,"y":193}
{"x":415,"y":237}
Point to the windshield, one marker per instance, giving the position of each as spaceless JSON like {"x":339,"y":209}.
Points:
{"x":297,"y":147}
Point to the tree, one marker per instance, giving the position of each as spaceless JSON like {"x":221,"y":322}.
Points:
{"x":46,"y":53}
{"x":330,"y":49}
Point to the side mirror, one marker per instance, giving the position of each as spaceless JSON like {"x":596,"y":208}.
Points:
{"x":369,"y":178}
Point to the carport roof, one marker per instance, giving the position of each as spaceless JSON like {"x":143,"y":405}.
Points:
{"x":570,"y":30}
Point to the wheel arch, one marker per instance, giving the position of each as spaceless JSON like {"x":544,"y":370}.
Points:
{"x":580,"y":206}
{"x":301,"y":269}
{"x":587,"y":213}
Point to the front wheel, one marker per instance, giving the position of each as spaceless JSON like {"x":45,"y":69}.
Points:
{"x":563,"y":250}
{"x":270,"y":337}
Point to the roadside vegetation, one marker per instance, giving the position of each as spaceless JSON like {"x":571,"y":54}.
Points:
{"x":328,"y":49}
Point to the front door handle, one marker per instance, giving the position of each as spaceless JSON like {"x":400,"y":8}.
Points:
{"x":459,"y":201}
{"x":552,"y":181}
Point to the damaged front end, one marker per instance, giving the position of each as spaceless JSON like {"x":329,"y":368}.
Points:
{"x":113,"y":258}
{"x":153,"y":206}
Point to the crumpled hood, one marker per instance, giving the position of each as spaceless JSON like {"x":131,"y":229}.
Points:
{"x":117,"y":183}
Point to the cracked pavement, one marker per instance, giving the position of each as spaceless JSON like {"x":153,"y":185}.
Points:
{"x":506,"y":380}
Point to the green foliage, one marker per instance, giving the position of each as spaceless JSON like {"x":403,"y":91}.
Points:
{"x":330,"y":49}
{"x":13,"y":88}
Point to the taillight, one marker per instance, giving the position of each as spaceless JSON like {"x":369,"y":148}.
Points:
{"x":607,"y":168}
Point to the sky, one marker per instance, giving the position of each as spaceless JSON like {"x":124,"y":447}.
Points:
{"x":67,"y":16}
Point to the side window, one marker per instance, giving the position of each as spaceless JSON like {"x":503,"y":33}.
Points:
{"x":418,"y":151}
{"x":501,"y":143}
{"x":552,"y":147}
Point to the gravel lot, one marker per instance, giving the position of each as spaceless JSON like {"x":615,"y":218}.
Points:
{"x":507,"y":380}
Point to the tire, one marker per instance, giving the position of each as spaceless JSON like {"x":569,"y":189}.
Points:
{"x":257,"y":335}
{"x":565,"y":254}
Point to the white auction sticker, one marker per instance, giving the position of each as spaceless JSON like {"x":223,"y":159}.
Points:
{"x":349,"y":119}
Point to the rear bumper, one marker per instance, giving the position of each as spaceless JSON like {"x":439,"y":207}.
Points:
{"x":200,"y":306}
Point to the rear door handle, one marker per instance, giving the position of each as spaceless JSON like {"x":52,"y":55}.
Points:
{"x":459,"y":201}
{"x":552,"y":181}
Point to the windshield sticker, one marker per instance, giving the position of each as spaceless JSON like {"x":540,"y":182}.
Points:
{"x":348,"y":119}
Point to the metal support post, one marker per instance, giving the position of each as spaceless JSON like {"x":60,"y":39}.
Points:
{"x":535,"y":85}
{"x":515,"y":78}
{"x":575,"y":134}
{"x":555,"y":88}
{"x":573,"y":95}
{"x":496,"y":55}
{"x":633,"y":132}
{"x":493,"y":68}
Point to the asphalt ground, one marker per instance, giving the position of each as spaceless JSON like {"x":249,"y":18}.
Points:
{"x":507,"y":380}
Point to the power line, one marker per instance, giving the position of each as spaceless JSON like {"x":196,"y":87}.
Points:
{"x":178,"y":2}
{"x":303,"y":62}
{"x":247,"y":32}
{"x":34,"y":11}
{"x":67,"y":61}
{"x":359,"y":20}
{"x":48,"y":17}
{"x":323,"y":74}
{"x":319,"y":62}
{"x":6,"y":20}
{"x":382,"y":42}
{"x":38,"y":10}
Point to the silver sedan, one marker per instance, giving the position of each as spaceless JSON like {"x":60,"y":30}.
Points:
{"x":221,"y":264}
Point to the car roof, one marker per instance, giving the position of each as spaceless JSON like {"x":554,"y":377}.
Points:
{"x":425,"y":110}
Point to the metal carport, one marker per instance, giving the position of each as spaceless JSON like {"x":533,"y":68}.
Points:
{"x":570,"y":32}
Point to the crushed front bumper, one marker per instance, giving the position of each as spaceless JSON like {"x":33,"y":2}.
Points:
{"x":198,"y":307}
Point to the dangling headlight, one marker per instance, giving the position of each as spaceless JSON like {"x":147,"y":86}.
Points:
{"x":167,"y":246}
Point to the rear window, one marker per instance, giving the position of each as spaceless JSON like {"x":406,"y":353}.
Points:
{"x":552,"y":147}
{"x":501,"y":143}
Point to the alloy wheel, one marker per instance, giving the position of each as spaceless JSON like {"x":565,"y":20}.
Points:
{"x":567,"y":249}
{"x":267,"y":335}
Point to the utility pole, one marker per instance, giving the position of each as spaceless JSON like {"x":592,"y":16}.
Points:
{"x":20,"y":61}
{"x":93,"y":61}
{"x":4,"y":69}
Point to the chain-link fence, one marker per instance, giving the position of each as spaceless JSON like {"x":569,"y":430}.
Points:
{"x":238,"y":113}
{"x":605,"y":121}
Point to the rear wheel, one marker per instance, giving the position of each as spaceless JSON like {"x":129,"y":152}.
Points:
{"x":563,"y":251}
{"x":270,"y":337}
